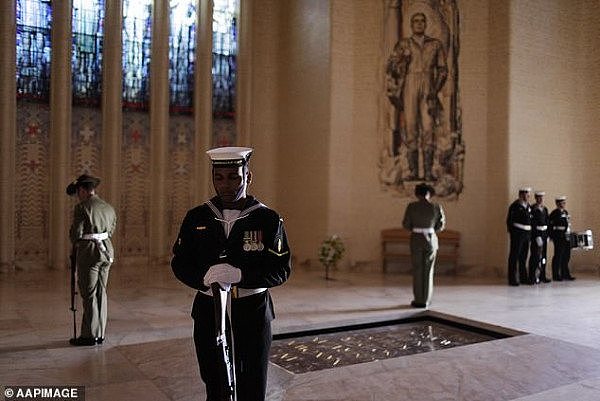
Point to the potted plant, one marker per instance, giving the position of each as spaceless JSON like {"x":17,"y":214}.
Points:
{"x":331,"y":251}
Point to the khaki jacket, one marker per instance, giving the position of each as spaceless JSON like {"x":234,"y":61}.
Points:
{"x":423,"y":214}
{"x":91,"y":216}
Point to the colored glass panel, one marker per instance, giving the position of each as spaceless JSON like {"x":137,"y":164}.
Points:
{"x":137,"y":33}
{"x":86,"y":61}
{"x":224,"y":54}
{"x":182,"y":46}
{"x":34,"y":20}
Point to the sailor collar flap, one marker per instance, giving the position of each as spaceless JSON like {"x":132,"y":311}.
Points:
{"x":254,"y":205}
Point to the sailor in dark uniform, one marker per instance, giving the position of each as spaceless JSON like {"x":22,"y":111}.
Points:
{"x":539,"y":240}
{"x":560,"y":231}
{"x":234,"y":240}
{"x":518,"y":224}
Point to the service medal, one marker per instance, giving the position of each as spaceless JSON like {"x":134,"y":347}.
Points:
{"x":247,"y":238}
{"x":261,"y":246}
{"x":253,"y":244}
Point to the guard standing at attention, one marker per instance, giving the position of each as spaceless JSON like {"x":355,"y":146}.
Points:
{"x":423,"y":218}
{"x":539,"y":240}
{"x":518,"y":224}
{"x":94,"y":222}
{"x":560,"y":231}
{"x":235,"y":240}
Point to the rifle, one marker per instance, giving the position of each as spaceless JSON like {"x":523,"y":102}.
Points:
{"x":224,"y":351}
{"x":73,"y":260}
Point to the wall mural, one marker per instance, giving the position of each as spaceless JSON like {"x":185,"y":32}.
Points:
{"x":32,"y":191}
{"x":421,"y":113}
{"x":133,"y":220}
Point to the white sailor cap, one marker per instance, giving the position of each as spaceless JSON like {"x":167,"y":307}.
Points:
{"x":540,"y":193}
{"x":524,"y":189}
{"x":229,"y":156}
{"x":560,"y":198}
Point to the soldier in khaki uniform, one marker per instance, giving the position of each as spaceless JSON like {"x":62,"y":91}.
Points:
{"x":424,"y":218}
{"x":94,"y":222}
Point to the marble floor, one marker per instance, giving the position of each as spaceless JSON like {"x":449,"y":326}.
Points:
{"x":148,"y":353}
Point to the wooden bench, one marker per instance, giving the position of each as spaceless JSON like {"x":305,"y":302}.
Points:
{"x":395,"y":245}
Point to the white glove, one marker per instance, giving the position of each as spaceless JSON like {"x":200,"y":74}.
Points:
{"x":223,"y":273}
{"x":225,"y":286}
{"x":539,"y":242}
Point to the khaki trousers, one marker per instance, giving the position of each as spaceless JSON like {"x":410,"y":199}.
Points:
{"x":423,"y":249}
{"x":92,"y":281}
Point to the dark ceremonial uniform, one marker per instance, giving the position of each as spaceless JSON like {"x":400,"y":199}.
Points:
{"x":257,"y":245}
{"x":560,"y":229}
{"x":423,"y":219}
{"x":518,"y":224}
{"x":94,"y":222}
{"x":539,"y":232}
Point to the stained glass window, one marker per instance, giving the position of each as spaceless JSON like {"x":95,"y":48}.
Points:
{"x":182,"y":45}
{"x":34,"y":19}
{"x":224,"y":66}
{"x":137,"y":33}
{"x":88,"y":31}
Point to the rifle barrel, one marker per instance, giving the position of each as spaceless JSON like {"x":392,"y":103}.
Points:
{"x":225,"y":360}
{"x":73,"y":260}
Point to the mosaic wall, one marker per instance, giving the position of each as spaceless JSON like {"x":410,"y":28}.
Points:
{"x":181,"y":163}
{"x":86,"y":141}
{"x":135,"y":164}
{"x":421,"y":111}
{"x":224,"y":132}
{"x":32,"y":186}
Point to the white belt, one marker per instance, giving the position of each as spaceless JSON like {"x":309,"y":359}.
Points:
{"x":241,"y":292}
{"x":541,"y":228}
{"x":95,"y":236}
{"x":559,"y":228}
{"x":428,"y":230}
{"x":98,"y":238}
{"x":522,"y":226}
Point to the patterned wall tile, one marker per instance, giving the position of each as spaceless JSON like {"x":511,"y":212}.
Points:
{"x":135,"y":162}
{"x":181,"y":145}
{"x":86,"y":141}
{"x":32,"y":189}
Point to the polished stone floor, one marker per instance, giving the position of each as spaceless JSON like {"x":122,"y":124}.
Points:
{"x":148,"y":353}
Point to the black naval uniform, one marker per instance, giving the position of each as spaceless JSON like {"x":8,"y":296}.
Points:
{"x":560,"y":229}
{"x":518,"y":224}
{"x":537,"y":258}
{"x":257,"y":245}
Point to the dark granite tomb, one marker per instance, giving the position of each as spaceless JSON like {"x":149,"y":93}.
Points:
{"x":333,"y":347}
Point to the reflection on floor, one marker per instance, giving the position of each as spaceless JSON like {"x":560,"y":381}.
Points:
{"x":148,"y":353}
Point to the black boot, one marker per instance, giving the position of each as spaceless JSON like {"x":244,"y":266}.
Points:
{"x":428,"y":165}
{"x":413,"y":165}
{"x":396,"y":141}
{"x":83,"y":341}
